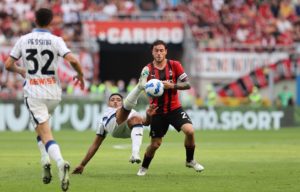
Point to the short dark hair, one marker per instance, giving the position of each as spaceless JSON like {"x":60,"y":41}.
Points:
{"x":43,"y":17}
{"x":159,"y":42}
{"x":113,"y":94}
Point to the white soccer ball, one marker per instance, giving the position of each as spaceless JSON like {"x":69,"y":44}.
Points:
{"x":154,"y":88}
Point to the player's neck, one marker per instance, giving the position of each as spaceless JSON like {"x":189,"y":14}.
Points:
{"x":160,"y":65}
{"x":47,"y":28}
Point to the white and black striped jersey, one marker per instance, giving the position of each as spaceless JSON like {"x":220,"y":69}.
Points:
{"x":39,"y":51}
{"x":108,"y":123}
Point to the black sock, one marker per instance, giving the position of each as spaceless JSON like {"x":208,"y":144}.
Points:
{"x":146,"y":161}
{"x":189,"y":151}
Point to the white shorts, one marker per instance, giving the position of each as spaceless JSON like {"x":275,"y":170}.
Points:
{"x":40,"y":110}
{"x":121,"y":131}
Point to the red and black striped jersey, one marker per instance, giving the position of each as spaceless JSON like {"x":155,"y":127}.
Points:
{"x":172,"y":72}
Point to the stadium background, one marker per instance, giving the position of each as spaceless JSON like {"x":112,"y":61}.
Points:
{"x":229,"y":48}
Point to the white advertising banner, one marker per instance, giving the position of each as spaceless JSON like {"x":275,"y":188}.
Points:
{"x":86,"y":116}
{"x":231,"y":64}
{"x":135,"y":32}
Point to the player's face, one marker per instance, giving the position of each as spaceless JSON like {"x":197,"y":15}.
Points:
{"x":159,"y":53}
{"x":115,"y":101}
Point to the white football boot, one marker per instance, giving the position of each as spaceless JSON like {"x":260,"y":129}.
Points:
{"x":143,"y":78}
{"x":142,"y":171}
{"x":194,"y":164}
{"x":63,"y":172}
{"x":135,"y":159}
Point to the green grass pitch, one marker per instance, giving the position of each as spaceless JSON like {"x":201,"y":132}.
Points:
{"x":235,"y":161}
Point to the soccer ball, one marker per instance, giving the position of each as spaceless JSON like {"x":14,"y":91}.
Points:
{"x":154,"y":88}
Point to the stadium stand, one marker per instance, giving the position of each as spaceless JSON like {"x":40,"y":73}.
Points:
{"x":216,"y":25}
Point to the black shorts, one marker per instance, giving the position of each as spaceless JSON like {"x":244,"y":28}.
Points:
{"x":160,"y":122}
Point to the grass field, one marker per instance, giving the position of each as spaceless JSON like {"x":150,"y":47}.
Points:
{"x":235,"y":161}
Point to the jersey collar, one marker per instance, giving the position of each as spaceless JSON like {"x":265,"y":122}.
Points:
{"x":41,"y":30}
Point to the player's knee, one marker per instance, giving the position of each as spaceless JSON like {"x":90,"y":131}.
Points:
{"x":189,"y":132}
{"x":155,"y":145}
{"x":135,"y":120}
{"x":187,"y":129}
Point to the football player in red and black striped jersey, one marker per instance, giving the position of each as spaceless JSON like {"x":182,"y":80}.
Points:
{"x":169,"y":111}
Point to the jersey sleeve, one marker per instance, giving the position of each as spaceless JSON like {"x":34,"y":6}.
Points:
{"x":16,"y":51}
{"x":62,"y":47}
{"x":180,"y":74}
{"x":100,"y":129}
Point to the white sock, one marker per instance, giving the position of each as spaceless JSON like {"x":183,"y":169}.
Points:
{"x":44,"y":155}
{"x":54,"y":152}
{"x":131,"y":99}
{"x":136,"y":138}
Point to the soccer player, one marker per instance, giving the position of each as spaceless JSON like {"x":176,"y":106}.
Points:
{"x":39,"y":51}
{"x":169,"y":108}
{"x":121,"y":121}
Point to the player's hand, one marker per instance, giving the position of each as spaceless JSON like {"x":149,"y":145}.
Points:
{"x":79,"y":80}
{"x":168,"y":85}
{"x":151,"y":110}
{"x":78,"y":170}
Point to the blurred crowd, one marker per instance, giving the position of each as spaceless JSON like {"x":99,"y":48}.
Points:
{"x":225,"y":25}
{"x":17,"y":16}
{"x":216,"y":25}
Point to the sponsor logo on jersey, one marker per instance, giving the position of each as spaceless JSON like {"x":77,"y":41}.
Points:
{"x":42,"y":81}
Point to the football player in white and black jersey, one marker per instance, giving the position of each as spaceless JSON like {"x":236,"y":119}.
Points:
{"x":39,"y":52}
{"x":121,"y":121}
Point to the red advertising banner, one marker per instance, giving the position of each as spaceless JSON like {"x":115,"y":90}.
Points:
{"x":135,"y":32}
{"x":248,"y":83}
{"x":236,"y":89}
{"x":283,"y":70}
{"x":261,"y":77}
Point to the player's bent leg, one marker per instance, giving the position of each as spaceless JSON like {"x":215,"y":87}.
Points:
{"x":63,"y":166}
{"x":131,"y":100}
{"x":150,"y":152}
{"x":45,"y":161}
{"x":143,"y":78}
{"x":53,"y":150}
{"x":190,"y":148}
{"x":44,"y":134}
{"x":135,"y":123}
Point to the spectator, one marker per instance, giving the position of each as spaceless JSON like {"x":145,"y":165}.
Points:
{"x":131,"y":85}
{"x":255,"y":98}
{"x":121,"y":87}
{"x":285,"y":97}
{"x":211,"y":97}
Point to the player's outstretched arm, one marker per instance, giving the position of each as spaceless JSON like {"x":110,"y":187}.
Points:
{"x":76,"y":65}
{"x":183,"y":85}
{"x":10,"y":65}
{"x":149,"y":113}
{"x":91,"y":152}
